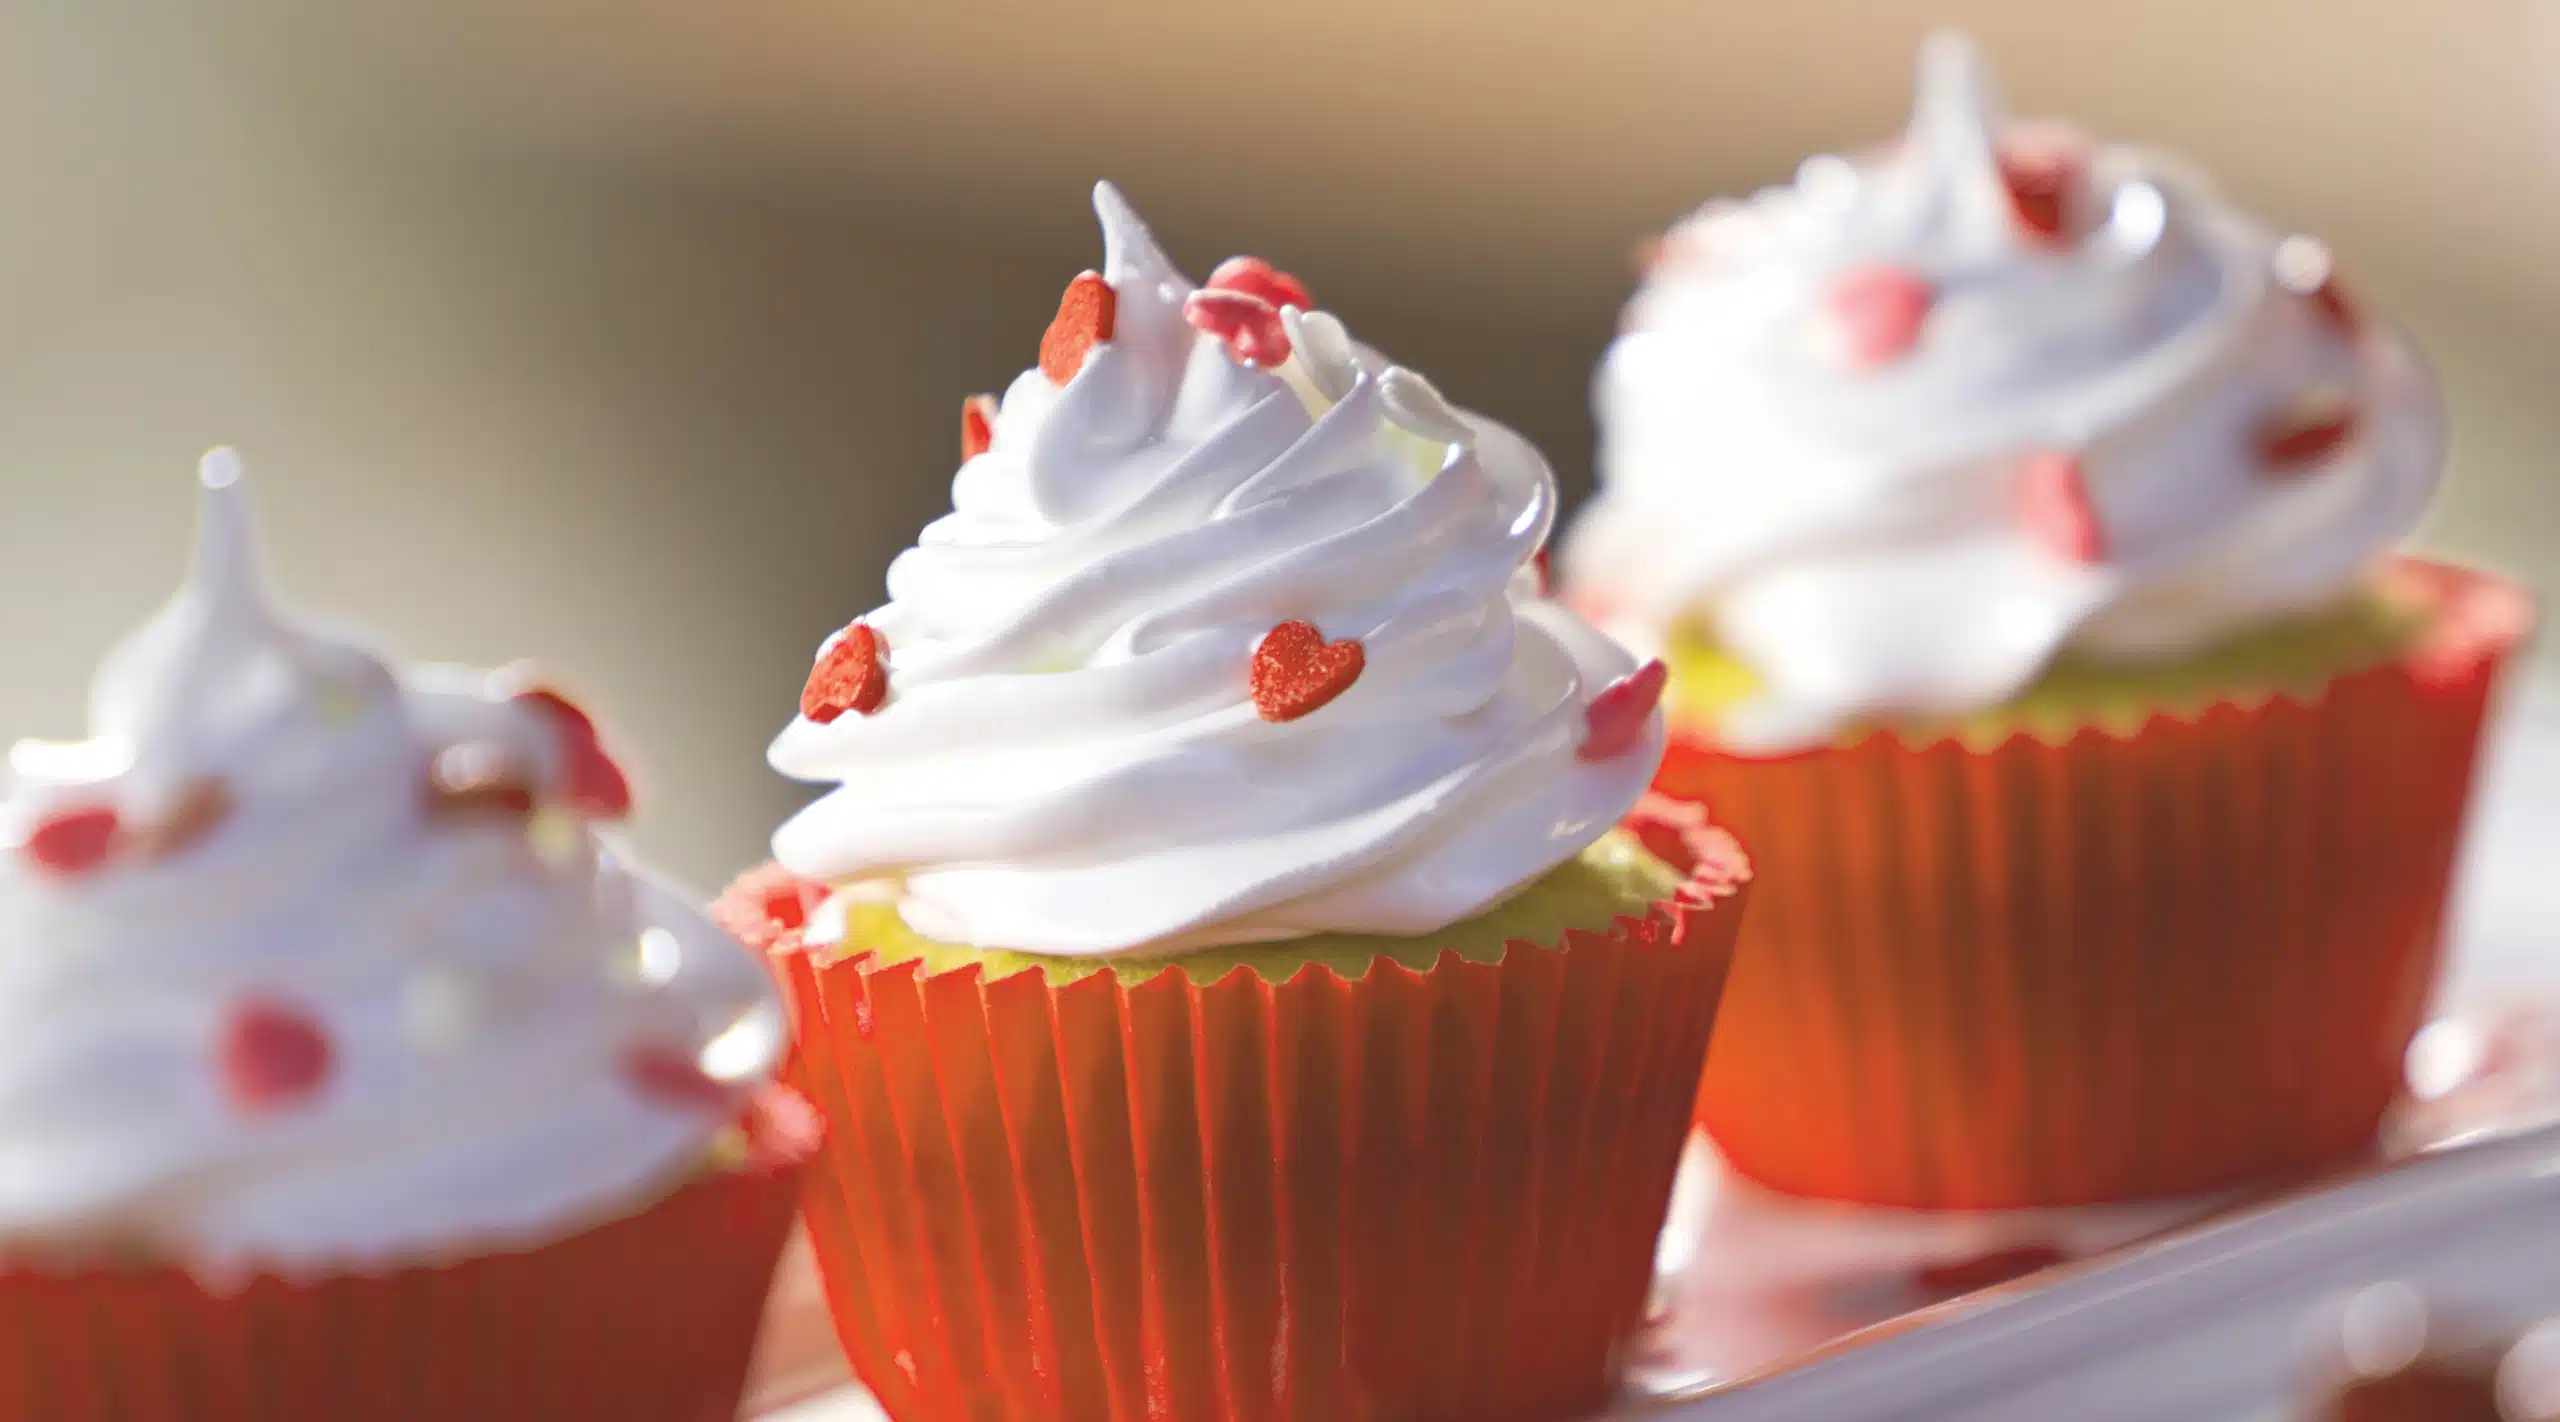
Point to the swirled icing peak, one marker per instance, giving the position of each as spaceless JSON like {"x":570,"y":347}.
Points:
{"x":1227,"y":638}
{"x":305,"y":961}
{"x":1904,"y":431}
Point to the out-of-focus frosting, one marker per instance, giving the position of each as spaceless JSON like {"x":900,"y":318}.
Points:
{"x":1070,"y":760}
{"x":1906,"y":430}
{"x":298,"y":1006}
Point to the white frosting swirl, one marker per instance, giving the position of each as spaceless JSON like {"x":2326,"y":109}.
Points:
{"x":480,"y":979}
{"x":1069,"y":761}
{"x":1852,"y":530}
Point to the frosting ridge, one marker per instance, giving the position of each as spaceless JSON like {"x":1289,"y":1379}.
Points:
{"x":1904,"y":431}
{"x":1076,"y":753}
{"x":311,"y":961}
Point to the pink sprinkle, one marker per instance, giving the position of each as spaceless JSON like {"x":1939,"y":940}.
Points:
{"x":590,"y":782}
{"x":674,"y":1078}
{"x":1615,"y":719}
{"x":560,"y":708}
{"x":2054,"y":502}
{"x":1878,"y":312}
{"x":271,"y":1055}
{"x":73,"y":842}
{"x":1248,"y":324}
{"x":2042,"y":180}
{"x":2306,"y":434}
{"x":1256,"y":277}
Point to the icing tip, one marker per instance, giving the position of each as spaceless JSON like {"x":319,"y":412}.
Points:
{"x":1955,"y":92}
{"x":1127,"y":246}
{"x":220,"y":468}
{"x":226,"y":550}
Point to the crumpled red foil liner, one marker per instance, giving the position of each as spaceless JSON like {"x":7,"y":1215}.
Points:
{"x":649,"y":1316}
{"x":2125,"y":965}
{"x":1414,"y":1195}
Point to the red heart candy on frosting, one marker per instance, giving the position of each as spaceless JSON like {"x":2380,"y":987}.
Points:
{"x":2306,"y":433}
{"x":977,"y":426}
{"x":1877,"y":312}
{"x":674,"y":1078}
{"x":271,"y":1055}
{"x":1249,"y":325}
{"x":2042,"y":179}
{"x":1615,"y":719}
{"x":2053,"y":501}
{"x":1295,"y":670}
{"x":589,"y":782}
{"x":2304,"y":267}
{"x":848,"y":678}
{"x":73,"y":841}
{"x":1256,"y":277}
{"x":1086,"y":315}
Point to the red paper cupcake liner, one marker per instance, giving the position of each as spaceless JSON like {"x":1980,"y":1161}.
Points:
{"x":2122,"y":965}
{"x":1410,"y":1195}
{"x":651,"y":1316}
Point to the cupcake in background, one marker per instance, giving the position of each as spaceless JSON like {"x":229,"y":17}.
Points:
{"x":2016,"y":519}
{"x":1216,"y":959}
{"x":343,"y":1075}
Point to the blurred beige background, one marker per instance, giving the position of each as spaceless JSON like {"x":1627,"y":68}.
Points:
{"x":634,"y":335}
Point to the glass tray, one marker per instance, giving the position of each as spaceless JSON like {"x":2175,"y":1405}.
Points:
{"x":1776,"y":1308}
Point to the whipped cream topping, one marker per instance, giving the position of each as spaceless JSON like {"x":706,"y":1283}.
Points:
{"x":1906,"y":430}
{"x":1075,"y":753}
{"x":302,"y":962}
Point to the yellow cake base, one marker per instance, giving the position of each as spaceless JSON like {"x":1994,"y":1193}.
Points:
{"x":2293,"y":657}
{"x":1614,"y":877}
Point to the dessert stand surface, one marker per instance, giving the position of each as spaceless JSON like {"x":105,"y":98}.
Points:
{"x":1775,"y":1308}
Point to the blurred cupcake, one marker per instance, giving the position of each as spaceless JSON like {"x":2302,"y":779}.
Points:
{"x":340,"y":1075}
{"x":1216,"y":953}
{"x":2016,"y":518}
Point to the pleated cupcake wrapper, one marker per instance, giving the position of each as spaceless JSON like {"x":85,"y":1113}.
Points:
{"x":651,"y":1316}
{"x":1413,"y":1195}
{"x":2169,"y":960}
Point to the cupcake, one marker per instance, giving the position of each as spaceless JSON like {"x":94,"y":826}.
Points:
{"x":2016,"y":520}
{"x":1217,"y":959}
{"x":341,"y":1075}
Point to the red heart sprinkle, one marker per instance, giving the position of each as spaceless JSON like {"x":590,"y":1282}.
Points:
{"x":271,"y":1055}
{"x":1084,"y":320}
{"x":848,"y":678}
{"x":73,"y":842}
{"x":1295,"y":670}
{"x":572,"y":717}
{"x":1982,"y":1271}
{"x":977,"y":426}
{"x":2306,"y":434}
{"x":590,"y":782}
{"x":1248,"y":324}
{"x":674,"y":1078}
{"x":2053,"y":500}
{"x":1546,"y":573}
{"x":2041,"y":181}
{"x":1878,"y":312}
{"x":1256,"y":277}
{"x":2304,"y":267}
{"x":1615,"y":719}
